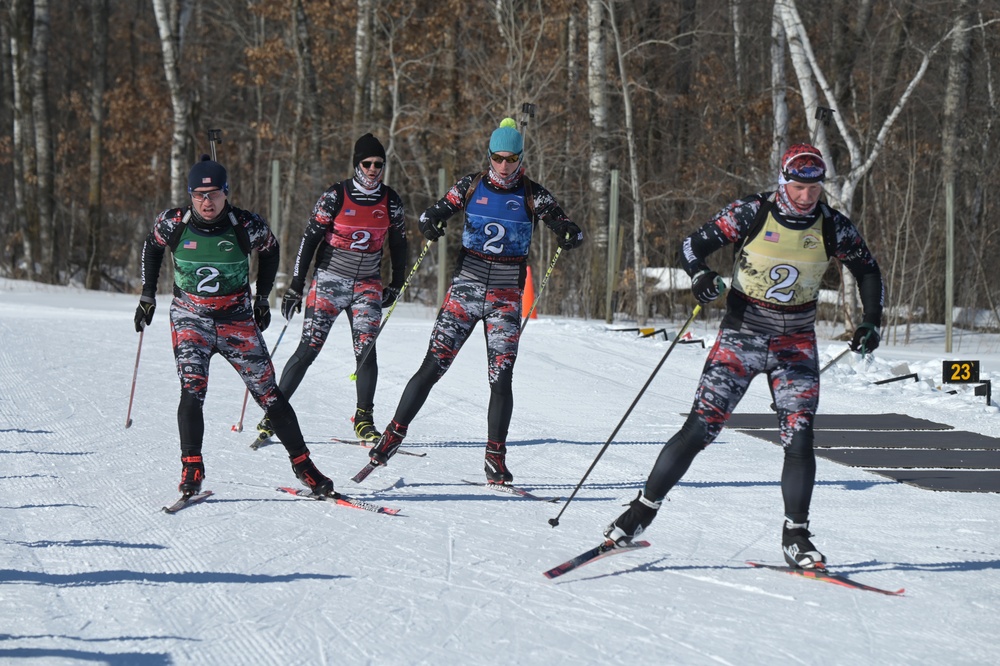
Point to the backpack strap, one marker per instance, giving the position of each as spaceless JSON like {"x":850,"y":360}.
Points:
{"x":175,"y":238}
{"x":766,"y":204}
{"x":829,"y":231}
{"x":472,"y":187}
{"x":242,"y":237}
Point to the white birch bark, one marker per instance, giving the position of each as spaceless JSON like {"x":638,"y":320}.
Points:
{"x":812,"y":82}
{"x":597,"y":96}
{"x":168,"y":23}
{"x":44,"y":158}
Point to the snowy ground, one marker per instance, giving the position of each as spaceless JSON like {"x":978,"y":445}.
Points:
{"x":93,"y":572}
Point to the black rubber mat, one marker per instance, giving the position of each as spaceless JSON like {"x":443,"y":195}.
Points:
{"x":891,"y":439}
{"x":951,"y":480}
{"x":840,"y":422}
{"x":913,"y":458}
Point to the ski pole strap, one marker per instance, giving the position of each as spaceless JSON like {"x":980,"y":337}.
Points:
{"x":680,"y":334}
{"x":371,"y":344}
{"x":541,"y":287}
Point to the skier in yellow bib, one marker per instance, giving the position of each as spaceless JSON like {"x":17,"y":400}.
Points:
{"x":785,"y":240}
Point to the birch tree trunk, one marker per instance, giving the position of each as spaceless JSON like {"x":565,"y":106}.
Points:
{"x":98,"y":79}
{"x":638,"y":206}
{"x":168,"y":23}
{"x":597,"y":95}
{"x":779,"y":102}
{"x":25,"y":200}
{"x":812,"y":81}
{"x":362,"y":63}
{"x":954,"y":105}
{"x":43,"y":140}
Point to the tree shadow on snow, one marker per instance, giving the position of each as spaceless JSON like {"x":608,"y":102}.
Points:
{"x":22,"y":431}
{"x":48,"y":453}
{"x":115,"y":577}
{"x":109,"y":658}
{"x":87,"y":543}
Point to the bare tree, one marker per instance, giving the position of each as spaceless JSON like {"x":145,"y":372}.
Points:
{"x":168,"y":22}
{"x":638,"y":205}
{"x":98,"y":77}
{"x":43,"y":138}
{"x":598,"y":106}
{"x":861,"y":153}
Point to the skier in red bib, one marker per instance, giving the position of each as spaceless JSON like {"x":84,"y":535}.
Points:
{"x":351,"y":224}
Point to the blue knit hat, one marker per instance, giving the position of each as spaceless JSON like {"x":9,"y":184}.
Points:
{"x":208,"y":173}
{"x":506,"y":138}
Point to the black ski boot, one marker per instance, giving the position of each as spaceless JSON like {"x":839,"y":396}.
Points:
{"x":192,"y":474}
{"x":387,"y":444}
{"x":306,"y":472}
{"x":633,"y":522}
{"x":496,"y":463}
{"x":264,"y":432}
{"x":798,"y":549}
{"x":364,"y":426}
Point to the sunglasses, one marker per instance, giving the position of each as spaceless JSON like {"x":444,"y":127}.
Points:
{"x":510,"y":159}
{"x":214,"y":195}
{"x":368,"y":164}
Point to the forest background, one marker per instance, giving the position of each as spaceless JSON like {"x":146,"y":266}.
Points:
{"x":107,"y":103}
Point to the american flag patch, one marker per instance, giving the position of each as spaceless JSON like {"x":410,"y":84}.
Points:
{"x":207,"y":180}
{"x":482,"y":201}
{"x":350,"y":212}
{"x":772,"y":236}
{"x":190,"y":245}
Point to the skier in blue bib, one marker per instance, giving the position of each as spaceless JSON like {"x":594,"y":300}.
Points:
{"x":785,"y":241}
{"x":502,"y":207}
{"x":213,"y":312}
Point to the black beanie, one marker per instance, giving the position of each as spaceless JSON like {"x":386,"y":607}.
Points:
{"x":208,"y":173}
{"x":367,"y":146}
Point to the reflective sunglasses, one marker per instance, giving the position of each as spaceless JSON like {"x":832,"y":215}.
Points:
{"x":510,"y":159}
{"x":214,"y":195}
{"x":368,"y":164}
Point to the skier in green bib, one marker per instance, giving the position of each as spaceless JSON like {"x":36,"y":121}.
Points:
{"x":214,"y":312}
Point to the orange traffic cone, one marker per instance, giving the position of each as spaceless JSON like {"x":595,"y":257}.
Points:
{"x":528,"y":297}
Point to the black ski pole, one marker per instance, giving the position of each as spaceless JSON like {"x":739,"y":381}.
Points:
{"x":135,"y":374}
{"x":371,"y":343}
{"x":554,"y":522}
{"x":214,"y":137}
{"x":527,"y":111}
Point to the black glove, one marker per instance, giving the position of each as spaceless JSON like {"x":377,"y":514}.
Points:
{"x":262,"y":312}
{"x":291,"y":303}
{"x":431,"y":229}
{"x":389,"y":296}
{"x":570,"y":236}
{"x":707,"y":286}
{"x":865,"y":339}
{"x":144,"y":313}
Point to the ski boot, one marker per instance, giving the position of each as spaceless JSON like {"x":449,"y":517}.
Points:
{"x":633,"y":522}
{"x":387,"y":444}
{"x":192,"y":474}
{"x":306,"y":472}
{"x":264,"y":433}
{"x":799,"y":551}
{"x":364,"y":426}
{"x":496,"y":463}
